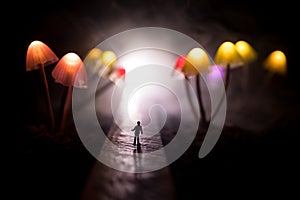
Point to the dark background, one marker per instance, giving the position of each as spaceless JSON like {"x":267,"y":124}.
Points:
{"x":78,"y":26}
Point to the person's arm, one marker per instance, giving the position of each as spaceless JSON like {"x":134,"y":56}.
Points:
{"x":141,"y":130}
{"x":133,"y":129}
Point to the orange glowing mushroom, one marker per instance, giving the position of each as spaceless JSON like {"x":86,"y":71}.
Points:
{"x":69,"y":71}
{"x":276,"y":63}
{"x":228,"y":57}
{"x":38,"y":56}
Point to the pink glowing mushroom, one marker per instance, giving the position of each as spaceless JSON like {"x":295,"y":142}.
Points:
{"x":69,"y":71}
{"x":38,"y":56}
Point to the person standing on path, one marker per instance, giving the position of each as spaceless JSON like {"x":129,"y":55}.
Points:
{"x":138,"y":129}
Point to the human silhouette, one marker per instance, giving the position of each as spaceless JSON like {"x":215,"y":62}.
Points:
{"x":138,"y":129}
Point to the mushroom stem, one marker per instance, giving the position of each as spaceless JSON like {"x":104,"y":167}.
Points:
{"x":227,"y":76}
{"x":198,"y":86}
{"x":66,"y":110}
{"x":49,"y":105}
{"x":187,"y":81}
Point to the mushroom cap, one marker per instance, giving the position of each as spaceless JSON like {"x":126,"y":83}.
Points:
{"x":276,"y":62}
{"x":228,"y":55}
{"x":93,"y":60}
{"x":70,"y":71}
{"x":39,"y":54}
{"x":109,"y":58}
{"x":246,"y":51}
{"x":197,"y":61}
{"x":180,"y":62}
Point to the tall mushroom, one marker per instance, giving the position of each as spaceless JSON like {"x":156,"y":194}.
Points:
{"x":38,"y":56}
{"x":69,"y":71}
{"x":248,"y":54}
{"x":197,"y":61}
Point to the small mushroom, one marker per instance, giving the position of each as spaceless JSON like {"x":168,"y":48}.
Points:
{"x":197,"y":61}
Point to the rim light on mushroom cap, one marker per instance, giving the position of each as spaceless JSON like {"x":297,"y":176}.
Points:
{"x":197,"y":61}
{"x":246,"y":51}
{"x":276,"y":62}
{"x":70,"y":71}
{"x":228,"y":55}
{"x":38,"y":54}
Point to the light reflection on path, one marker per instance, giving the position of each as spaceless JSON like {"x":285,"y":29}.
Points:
{"x":107,"y":183}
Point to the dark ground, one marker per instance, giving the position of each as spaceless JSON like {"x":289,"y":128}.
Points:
{"x":261,"y":162}
{"x":243,"y":164}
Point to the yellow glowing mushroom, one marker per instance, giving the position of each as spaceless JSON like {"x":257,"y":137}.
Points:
{"x":248,"y":54}
{"x":246,"y":51}
{"x":276,"y":62}
{"x":70,"y":72}
{"x":228,"y":57}
{"x":38,"y":56}
{"x":108,"y":59}
{"x":197,"y":61}
{"x":93,"y":61}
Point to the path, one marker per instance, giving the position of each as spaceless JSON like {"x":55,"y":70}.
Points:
{"x":107,"y":183}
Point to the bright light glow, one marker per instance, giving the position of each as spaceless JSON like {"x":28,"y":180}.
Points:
{"x":39,"y":54}
{"x":197,"y":61}
{"x":228,"y":55}
{"x":70,"y":71}
{"x":276,"y":62}
{"x":147,"y":56}
{"x":247,"y":52}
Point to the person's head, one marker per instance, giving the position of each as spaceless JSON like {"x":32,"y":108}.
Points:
{"x":138,"y":122}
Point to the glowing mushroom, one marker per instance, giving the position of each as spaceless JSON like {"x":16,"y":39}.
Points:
{"x":38,"y":56}
{"x":276,"y":63}
{"x":179,"y":64}
{"x":108,"y":59}
{"x":197,"y":61}
{"x":228,"y":57}
{"x":69,"y":71}
{"x":248,"y":54}
{"x":93,"y":61}
{"x":246,"y":51}
{"x":117,"y":74}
